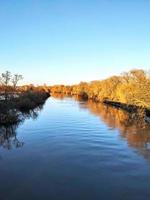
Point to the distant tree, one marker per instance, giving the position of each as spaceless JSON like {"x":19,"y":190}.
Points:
{"x":5,"y":83}
{"x":9,"y":83}
{"x":5,"y":78}
{"x":16,"y":78}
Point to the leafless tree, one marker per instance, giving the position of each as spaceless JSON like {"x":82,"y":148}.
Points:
{"x":9,"y":83}
{"x":16,"y":78}
{"x":5,"y":82}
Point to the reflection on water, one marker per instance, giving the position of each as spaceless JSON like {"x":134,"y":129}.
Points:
{"x":8,"y":133}
{"x":61,"y":96}
{"x":8,"y":137}
{"x":68,"y":153}
{"x":131,"y":126}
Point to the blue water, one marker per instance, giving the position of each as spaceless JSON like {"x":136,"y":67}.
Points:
{"x":76,"y":151}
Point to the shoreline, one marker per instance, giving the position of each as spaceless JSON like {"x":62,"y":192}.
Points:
{"x":142,"y":112}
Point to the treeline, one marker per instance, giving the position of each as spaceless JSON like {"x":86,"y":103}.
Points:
{"x":32,"y":87}
{"x":132,"y":88}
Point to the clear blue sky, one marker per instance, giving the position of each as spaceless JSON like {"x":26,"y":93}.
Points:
{"x":68,"y":41}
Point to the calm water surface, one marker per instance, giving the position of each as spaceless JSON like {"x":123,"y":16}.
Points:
{"x":76,"y":150}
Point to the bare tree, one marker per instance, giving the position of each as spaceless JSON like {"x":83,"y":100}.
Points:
{"x":9,"y":83}
{"x":5,"y":82}
{"x":5,"y":78}
{"x":16,"y":78}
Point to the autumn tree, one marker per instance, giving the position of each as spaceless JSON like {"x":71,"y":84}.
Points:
{"x":132,"y":87}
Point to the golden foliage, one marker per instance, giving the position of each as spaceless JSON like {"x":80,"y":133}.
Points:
{"x":130,"y":88}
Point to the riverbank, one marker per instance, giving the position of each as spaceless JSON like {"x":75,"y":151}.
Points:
{"x":18,"y":103}
{"x":129,"y":91}
{"x":140,"y":112}
{"x":143,"y":112}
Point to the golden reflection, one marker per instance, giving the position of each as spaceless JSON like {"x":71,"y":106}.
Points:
{"x":59,"y":96}
{"x":131,"y":126}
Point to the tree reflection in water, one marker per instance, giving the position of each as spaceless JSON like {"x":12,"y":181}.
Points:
{"x":132,"y":126}
{"x":8,"y":137}
{"x":8,"y":134}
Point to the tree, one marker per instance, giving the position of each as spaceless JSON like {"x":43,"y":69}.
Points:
{"x":9,"y":83}
{"x":5,"y":78}
{"x":16,"y":78}
{"x":5,"y":81}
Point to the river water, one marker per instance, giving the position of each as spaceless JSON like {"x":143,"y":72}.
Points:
{"x":75,"y":150}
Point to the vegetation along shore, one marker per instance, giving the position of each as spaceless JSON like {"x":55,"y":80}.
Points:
{"x":15,"y":100}
{"x":129,"y":91}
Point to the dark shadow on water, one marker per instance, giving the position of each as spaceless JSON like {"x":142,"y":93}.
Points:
{"x":8,"y":137}
{"x":8,"y":129}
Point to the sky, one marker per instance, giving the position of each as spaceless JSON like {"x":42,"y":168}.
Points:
{"x":68,"y":41}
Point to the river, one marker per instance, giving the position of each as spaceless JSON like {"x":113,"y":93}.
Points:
{"x":75,"y":150}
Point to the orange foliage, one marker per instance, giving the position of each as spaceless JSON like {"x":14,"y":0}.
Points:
{"x":129,"y":88}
